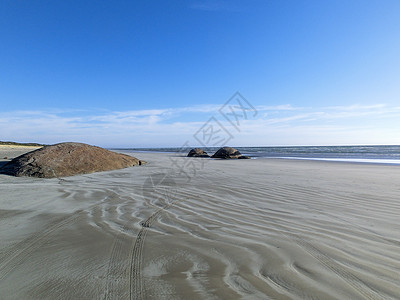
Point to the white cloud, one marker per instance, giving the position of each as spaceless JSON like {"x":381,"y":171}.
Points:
{"x":283,"y":107}
{"x":356,"y":107}
{"x":278,"y":125}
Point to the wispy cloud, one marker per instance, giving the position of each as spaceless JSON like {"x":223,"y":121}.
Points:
{"x":357,"y":107}
{"x":281,"y":124}
{"x":278,"y":107}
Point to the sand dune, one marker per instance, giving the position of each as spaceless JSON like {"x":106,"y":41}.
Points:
{"x":243,"y":229}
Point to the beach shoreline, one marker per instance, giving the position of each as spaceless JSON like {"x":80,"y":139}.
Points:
{"x":17,"y":147}
{"x":373,"y":154}
{"x":180,"y":228}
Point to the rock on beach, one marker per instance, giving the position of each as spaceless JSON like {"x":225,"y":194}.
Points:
{"x":228,"y":153}
{"x":67,"y":159}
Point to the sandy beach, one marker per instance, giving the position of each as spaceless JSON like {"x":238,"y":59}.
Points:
{"x":8,"y":152}
{"x":192,"y":228}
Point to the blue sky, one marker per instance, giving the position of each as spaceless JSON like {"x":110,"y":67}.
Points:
{"x":152,"y":73}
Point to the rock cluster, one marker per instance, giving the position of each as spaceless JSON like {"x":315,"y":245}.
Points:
{"x":224,"y":153}
{"x":197,"y":152}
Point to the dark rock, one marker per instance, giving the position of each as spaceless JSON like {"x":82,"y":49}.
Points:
{"x":67,"y":159}
{"x":197,"y":152}
{"x":5,"y":157}
{"x":227,"y":152}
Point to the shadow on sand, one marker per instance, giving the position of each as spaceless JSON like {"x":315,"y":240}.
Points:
{"x":2,"y":170}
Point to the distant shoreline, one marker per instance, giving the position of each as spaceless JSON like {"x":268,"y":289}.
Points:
{"x":15,"y":144}
{"x":19,"y":147}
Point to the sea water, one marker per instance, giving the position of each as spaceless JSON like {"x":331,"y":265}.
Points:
{"x":386,"y":154}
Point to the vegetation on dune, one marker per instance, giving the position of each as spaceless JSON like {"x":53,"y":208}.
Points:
{"x":20,"y":144}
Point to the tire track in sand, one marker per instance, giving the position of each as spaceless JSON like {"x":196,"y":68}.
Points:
{"x":116,"y":268}
{"x":352,"y":280}
{"x":358,"y":284}
{"x":136,"y":289}
{"x":17,"y":253}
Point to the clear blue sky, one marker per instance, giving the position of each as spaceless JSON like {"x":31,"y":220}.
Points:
{"x":101,"y":70}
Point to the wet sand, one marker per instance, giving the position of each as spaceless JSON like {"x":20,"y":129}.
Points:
{"x":237,"y":229}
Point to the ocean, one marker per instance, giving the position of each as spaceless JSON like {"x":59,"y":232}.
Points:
{"x":363,"y":154}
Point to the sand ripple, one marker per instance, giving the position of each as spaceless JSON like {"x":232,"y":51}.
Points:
{"x":299,"y":230}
